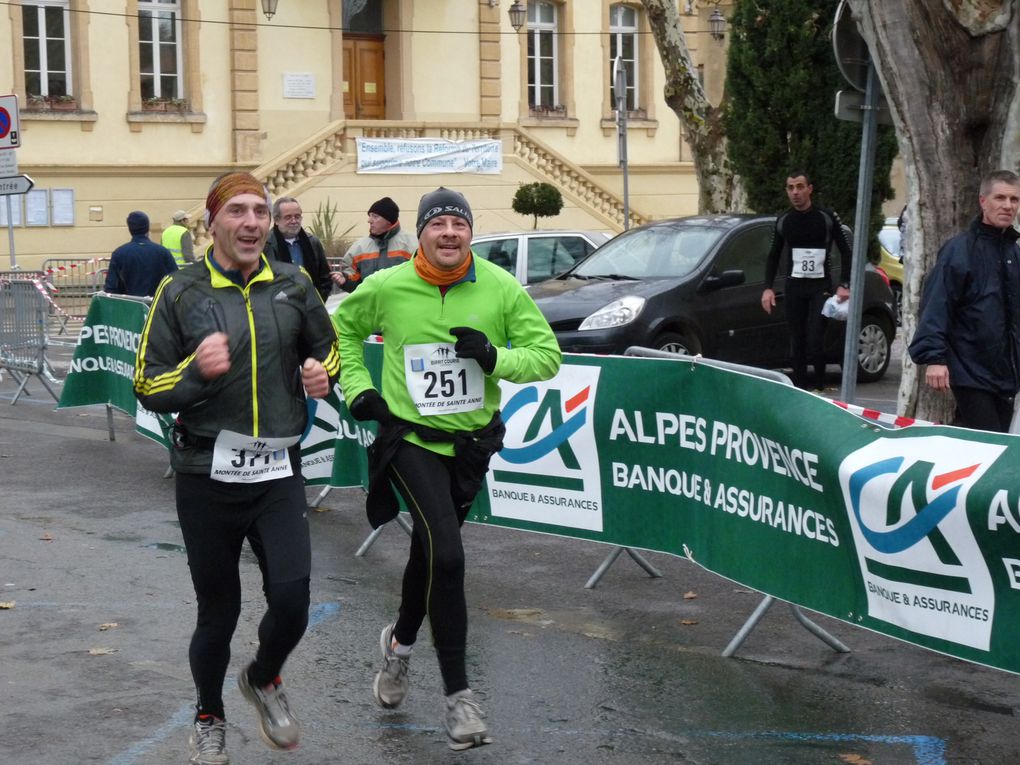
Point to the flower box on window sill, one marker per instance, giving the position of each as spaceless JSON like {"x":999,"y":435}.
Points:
{"x":164,"y":105}
{"x":52,"y":103}
{"x":549,"y":112}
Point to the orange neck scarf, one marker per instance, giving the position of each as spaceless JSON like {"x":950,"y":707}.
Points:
{"x":437,"y":276}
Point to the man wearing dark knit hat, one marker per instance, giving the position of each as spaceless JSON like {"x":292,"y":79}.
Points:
{"x":387,"y":244}
{"x":453,"y":327}
{"x":235,"y":345}
{"x":137,"y":267}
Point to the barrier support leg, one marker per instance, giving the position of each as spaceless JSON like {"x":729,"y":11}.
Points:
{"x":322,"y":495}
{"x":834,"y":643}
{"x":109,"y":422}
{"x":611,"y":559}
{"x":370,"y":539}
{"x":22,"y":382}
{"x":756,"y":616}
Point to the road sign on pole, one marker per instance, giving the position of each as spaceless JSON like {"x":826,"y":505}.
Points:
{"x":16,"y":184}
{"x":10,"y":125}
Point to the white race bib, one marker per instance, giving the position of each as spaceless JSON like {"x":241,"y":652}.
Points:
{"x":244,"y":459}
{"x":439,"y":382}
{"x":808,"y":263}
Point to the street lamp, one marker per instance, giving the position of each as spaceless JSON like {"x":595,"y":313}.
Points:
{"x":717,"y":24}
{"x":518,"y":15}
{"x":269,"y":8}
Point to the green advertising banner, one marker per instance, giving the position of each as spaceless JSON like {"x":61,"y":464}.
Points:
{"x":103,"y":366}
{"x":914,"y":533}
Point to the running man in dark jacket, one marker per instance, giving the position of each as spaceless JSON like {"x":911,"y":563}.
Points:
{"x":968,"y":333}
{"x":234,"y":345}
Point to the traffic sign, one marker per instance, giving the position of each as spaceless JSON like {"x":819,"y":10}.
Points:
{"x":8,"y":163}
{"x":10,"y":124}
{"x":16,"y":184}
{"x":850,"y":107}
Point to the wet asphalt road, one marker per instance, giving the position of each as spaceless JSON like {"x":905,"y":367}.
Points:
{"x":93,"y":652}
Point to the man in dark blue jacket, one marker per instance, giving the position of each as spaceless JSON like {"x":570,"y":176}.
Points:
{"x":137,"y":268}
{"x":968,"y":334}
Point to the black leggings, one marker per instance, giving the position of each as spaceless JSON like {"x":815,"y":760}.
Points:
{"x":983,"y":409}
{"x":215,"y":519}
{"x":804,"y":301}
{"x":433,"y":582}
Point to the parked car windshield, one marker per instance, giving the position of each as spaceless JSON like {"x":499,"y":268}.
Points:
{"x":654,"y":252}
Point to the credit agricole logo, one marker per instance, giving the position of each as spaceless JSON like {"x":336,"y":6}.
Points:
{"x":548,"y":470}
{"x":921,"y":564}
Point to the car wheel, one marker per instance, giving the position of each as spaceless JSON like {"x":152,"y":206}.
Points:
{"x":674,"y":342}
{"x":874,"y":348}
{"x":897,"y":291}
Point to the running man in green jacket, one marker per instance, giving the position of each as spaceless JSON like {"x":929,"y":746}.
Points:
{"x":453,"y":325}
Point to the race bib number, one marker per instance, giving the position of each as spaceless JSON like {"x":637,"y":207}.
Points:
{"x":808,"y":263}
{"x":243,"y":459}
{"x":439,"y":382}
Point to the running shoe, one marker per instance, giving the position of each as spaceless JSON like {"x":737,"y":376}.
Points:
{"x":465,"y":721}
{"x":277,"y":725}
{"x":208,"y":742}
{"x":391,"y":682}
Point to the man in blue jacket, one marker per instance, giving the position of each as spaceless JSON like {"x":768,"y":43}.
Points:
{"x":137,"y":268}
{"x":968,"y":334}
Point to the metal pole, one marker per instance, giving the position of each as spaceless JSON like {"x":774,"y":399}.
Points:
{"x":620,"y":88}
{"x":10,"y":233}
{"x":869,"y":121}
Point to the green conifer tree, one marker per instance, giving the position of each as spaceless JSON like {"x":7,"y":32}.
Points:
{"x":782,"y":79}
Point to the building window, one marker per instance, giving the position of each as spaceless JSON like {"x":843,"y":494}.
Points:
{"x":46,"y":33}
{"x":160,"y":50}
{"x":543,"y":64}
{"x":623,"y":43}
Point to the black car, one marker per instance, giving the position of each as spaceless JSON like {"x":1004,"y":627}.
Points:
{"x":693,"y":285}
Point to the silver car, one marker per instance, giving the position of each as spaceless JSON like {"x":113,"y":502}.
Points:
{"x":534,"y":256}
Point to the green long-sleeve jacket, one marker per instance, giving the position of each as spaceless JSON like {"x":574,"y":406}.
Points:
{"x":273,"y":323}
{"x":408,"y":310}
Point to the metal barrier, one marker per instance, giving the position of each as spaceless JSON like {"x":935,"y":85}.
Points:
{"x":23,"y":309}
{"x":752,"y":621}
{"x":74,"y":281}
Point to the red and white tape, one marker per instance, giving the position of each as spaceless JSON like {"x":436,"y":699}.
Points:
{"x":882,"y":417}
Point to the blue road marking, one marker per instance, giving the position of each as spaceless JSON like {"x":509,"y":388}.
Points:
{"x":928,"y":750}
{"x":317,"y":614}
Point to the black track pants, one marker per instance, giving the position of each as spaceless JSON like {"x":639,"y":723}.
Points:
{"x":433,"y":582}
{"x":804,"y":301}
{"x":215,"y":520}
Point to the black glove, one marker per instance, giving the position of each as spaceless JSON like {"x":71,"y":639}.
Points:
{"x":472,"y":344}
{"x":369,"y":405}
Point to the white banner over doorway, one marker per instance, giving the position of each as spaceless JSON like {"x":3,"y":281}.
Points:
{"x":424,"y":156}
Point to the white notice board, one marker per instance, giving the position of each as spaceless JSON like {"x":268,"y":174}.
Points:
{"x":62,"y":202}
{"x":15,"y":209}
{"x":37,"y":208}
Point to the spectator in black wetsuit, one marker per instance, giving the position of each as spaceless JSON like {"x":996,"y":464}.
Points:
{"x":968,"y":333}
{"x":802,"y":240}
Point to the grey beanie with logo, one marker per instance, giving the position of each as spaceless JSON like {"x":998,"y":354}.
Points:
{"x":443,"y":201}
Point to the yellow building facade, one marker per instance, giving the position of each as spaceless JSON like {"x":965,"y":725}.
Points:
{"x":139,"y":104}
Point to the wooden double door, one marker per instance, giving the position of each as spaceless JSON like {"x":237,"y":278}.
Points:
{"x":364,"y":77}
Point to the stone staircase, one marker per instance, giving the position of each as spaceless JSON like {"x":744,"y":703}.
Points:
{"x":333,"y":147}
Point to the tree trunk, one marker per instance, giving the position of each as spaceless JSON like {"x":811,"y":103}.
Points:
{"x":719,"y":190}
{"x":949,"y":70}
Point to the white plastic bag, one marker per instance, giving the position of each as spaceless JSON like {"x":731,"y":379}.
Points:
{"x":836,"y":309}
